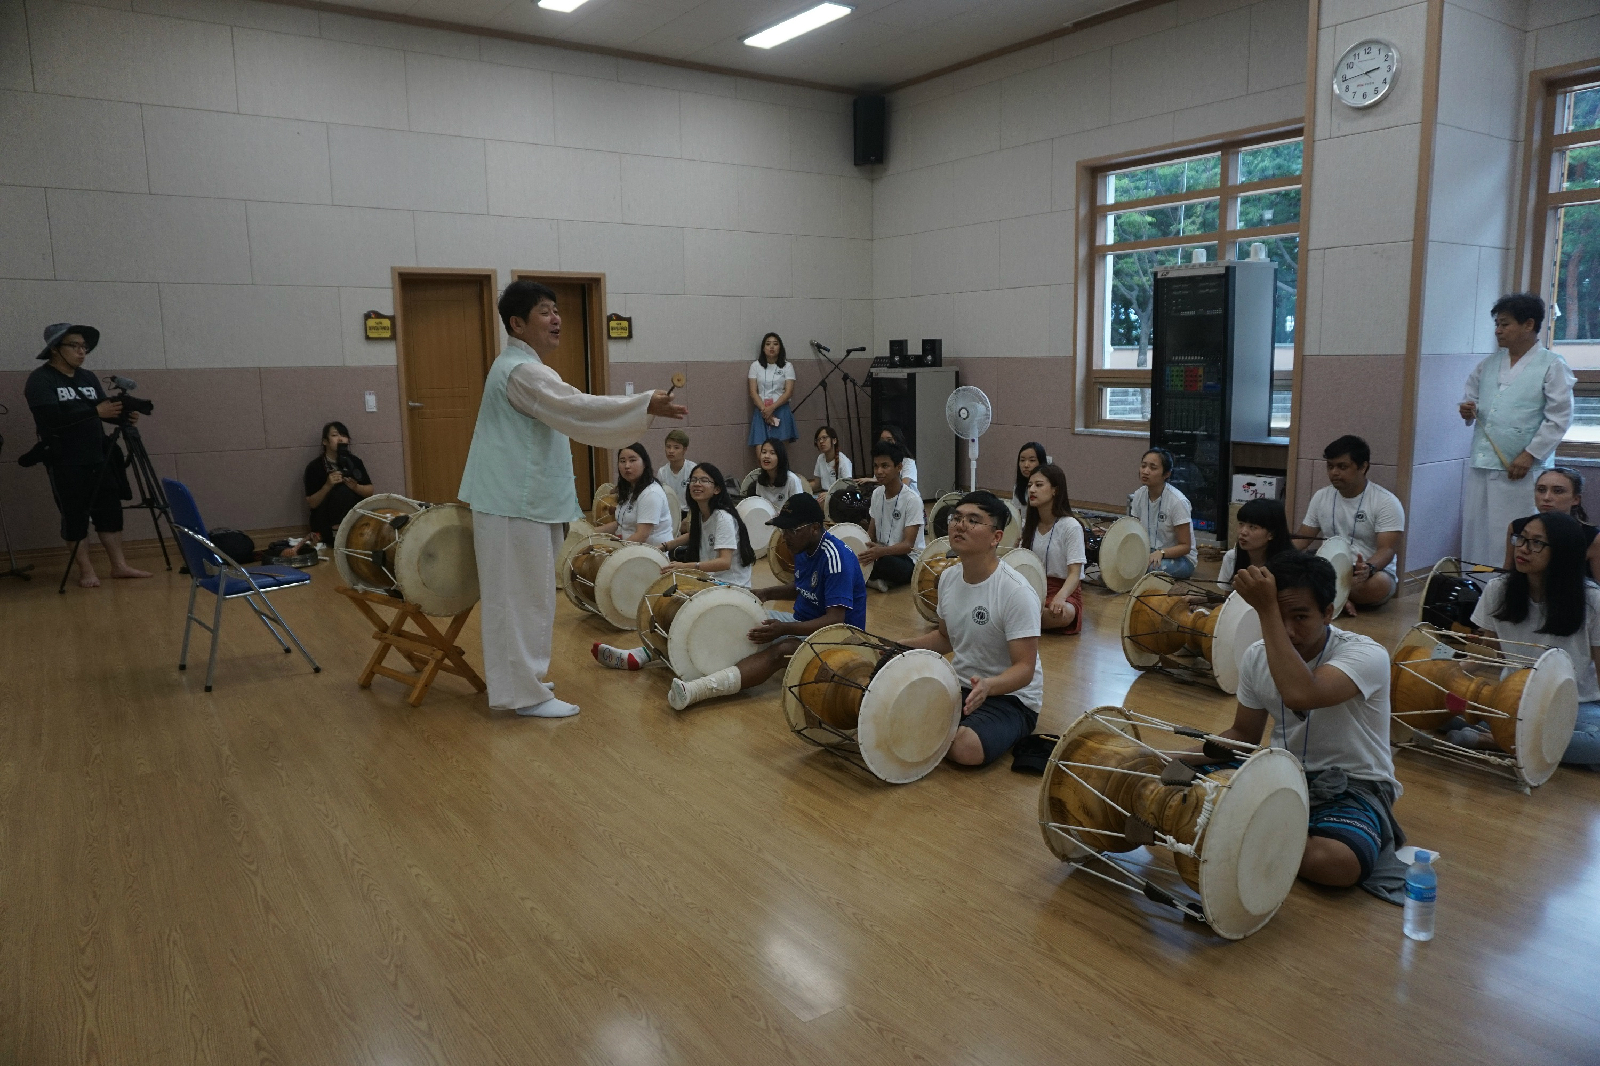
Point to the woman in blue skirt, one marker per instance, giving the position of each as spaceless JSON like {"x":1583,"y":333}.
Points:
{"x":771,"y":385}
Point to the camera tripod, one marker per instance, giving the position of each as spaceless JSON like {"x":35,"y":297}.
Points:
{"x":152,"y":497}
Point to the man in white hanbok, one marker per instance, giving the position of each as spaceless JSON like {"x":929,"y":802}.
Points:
{"x":520,"y":486}
{"x":1519,"y":402}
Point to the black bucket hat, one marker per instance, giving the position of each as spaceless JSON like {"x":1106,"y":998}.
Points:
{"x":53,"y":335}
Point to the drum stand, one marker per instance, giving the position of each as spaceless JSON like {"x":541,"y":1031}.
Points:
{"x":426,"y":650}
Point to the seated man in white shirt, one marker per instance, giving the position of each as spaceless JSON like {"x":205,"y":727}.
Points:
{"x":895,"y":522}
{"x":989,"y":617}
{"x":674,"y":473}
{"x":1327,"y":693}
{"x":1364,"y":512}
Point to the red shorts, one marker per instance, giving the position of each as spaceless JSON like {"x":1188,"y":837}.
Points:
{"x":1052,"y":585}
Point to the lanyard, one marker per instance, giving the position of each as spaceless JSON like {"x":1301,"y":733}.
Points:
{"x":1283,"y":709}
{"x":1151,"y":519}
{"x":1354,"y":515}
{"x":1049,"y":539}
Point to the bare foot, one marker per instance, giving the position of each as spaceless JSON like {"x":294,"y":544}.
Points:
{"x":1350,"y":608}
{"x":126,"y":571}
{"x":89,"y":581}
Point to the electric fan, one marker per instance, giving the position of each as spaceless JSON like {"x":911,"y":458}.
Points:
{"x":969,"y":414}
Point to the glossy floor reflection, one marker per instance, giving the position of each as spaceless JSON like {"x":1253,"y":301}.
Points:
{"x":294,"y":870}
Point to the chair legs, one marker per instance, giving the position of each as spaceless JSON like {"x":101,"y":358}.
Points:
{"x":188,"y":624}
{"x":264,"y":611}
{"x":216,"y":632}
{"x":276,"y":617}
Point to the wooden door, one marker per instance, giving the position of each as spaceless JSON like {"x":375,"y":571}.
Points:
{"x":571,"y":361}
{"x":445,"y":351}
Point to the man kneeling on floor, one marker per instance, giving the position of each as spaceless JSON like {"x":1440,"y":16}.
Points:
{"x":989,"y":617}
{"x":1328,"y":692}
{"x":828,"y":589}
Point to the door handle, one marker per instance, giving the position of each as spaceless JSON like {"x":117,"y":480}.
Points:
{"x":412,"y":403}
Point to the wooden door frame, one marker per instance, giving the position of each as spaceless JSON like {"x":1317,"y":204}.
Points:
{"x":599,"y":354}
{"x":491,"y":322}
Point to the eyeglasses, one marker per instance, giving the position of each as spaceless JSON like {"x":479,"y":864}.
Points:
{"x":78,"y":345}
{"x":1534,"y":545}
{"x":976,"y":520}
{"x":702,"y":481}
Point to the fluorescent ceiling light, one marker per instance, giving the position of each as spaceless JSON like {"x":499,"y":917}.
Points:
{"x":804,"y":22}
{"x":561,"y":5}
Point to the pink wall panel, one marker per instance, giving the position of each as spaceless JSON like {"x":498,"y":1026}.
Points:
{"x":1357,"y":394}
{"x":296,"y":402}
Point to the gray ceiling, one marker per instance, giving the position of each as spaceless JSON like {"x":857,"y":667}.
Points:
{"x":880,"y":43}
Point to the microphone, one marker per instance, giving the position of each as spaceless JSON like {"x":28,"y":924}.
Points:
{"x":125,"y":384}
{"x":822,"y":348}
{"x":852,"y":351}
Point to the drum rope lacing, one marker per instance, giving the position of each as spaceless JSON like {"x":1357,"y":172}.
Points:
{"x":845,"y":744}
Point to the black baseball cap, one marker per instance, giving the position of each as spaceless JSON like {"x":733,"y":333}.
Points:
{"x":798,"y":510}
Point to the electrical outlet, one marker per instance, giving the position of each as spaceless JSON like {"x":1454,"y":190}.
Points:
{"x":627,"y":388}
{"x":372,"y":402}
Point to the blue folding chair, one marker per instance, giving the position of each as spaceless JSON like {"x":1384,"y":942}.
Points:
{"x":212,"y":570}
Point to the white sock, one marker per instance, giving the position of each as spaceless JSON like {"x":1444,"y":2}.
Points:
{"x":550,"y":708}
{"x":724,"y":682}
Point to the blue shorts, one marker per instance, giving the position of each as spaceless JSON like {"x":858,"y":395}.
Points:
{"x":1353,"y":822}
{"x":1000,"y":722}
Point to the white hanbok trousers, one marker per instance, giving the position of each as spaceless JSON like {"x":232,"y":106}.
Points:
{"x":517,"y":586}
{"x":1490,"y":502}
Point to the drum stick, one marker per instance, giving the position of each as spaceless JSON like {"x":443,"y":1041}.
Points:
{"x":1498,"y":453}
{"x":678,"y":380}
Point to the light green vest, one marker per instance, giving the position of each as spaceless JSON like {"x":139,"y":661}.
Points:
{"x":1511,"y":415}
{"x":518,"y":466}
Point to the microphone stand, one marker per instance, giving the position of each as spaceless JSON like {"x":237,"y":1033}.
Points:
{"x":836,"y":366}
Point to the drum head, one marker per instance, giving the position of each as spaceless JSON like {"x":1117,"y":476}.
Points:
{"x":778,"y":560}
{"x":624,"y":578}
{"x":754,"y":512}
{"x":909,"y":716}
{"x":793,"y":710}
{"x":1545,"y":717}
{"x":939,"y":514}
{"x":748,"y":485}
{"x":1238,"y":627}
{"x":608,"y":489}
{"x":1124,"y":555}
{"x":1157,"y":584}
{"x":1012,"y":534}
{"x":435,"y":563}
{"x":711,"y":631}
{"x":564,"y":572}
{"x":371,"y":510}
{"x":935,"y":556}
{"x":1342,"y":554}
{"x":1029,"y":566}
{"x":855,"y":538}
{"x":1066,"y":846}
{"x":1251,"y":850}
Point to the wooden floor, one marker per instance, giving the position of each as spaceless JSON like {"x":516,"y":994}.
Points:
{"x":292,"y":870}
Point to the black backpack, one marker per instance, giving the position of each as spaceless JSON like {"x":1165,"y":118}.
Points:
{"x":235,"y":545}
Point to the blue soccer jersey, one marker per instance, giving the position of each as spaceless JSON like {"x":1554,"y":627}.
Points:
{"x":830,"y":576}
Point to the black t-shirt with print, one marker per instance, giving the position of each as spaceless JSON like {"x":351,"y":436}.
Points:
{"x":64,"y":413}
{"x":326,"y":516}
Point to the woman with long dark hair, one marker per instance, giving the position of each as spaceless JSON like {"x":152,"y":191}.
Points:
{"x":771,"y":386}
{"x":832,"y":464}
{"x":1560,"y":489}
{"x":1052,"y":532}
{"x":1030,"y":457}
{"x":1263,"y":533}
{"x":1546,"y":600}
{"x":775,"y":482}
{"x":643,"y":514}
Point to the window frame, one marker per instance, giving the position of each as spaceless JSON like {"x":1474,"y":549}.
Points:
{"x":1093,"y":210}
{"x":1536,"y":244}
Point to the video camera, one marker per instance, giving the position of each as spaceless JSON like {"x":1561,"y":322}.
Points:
{"x":130,"y":403}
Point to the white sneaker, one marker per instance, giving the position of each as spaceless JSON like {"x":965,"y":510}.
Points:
{"x":550,"y":708}
{"x":880,"y":584}
{"x":678,"y":694}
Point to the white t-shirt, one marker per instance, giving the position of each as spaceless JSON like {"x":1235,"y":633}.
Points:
{"x":648,"y":506}
{"x":1061,"y":547}
{"x":1352,"y":736}
{"x":1577,"y":645}
{"x":983,"y":619}
{"x":720,"y":531}
{"x":891,"y":517}
{"x":908,"y":472}
{"x":1371,"y":511}
{"x":770,"y":379}
{"x":824,"y":474}
{"x":776,"y":495}
{"x":679,"y":482}
{"x":1160,"y":517}
{"x":1230,"y":566}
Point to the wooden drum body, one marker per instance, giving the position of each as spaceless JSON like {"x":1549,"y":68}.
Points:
{"x":779,"y":558}
{"x":1162,"y":629}
{"x":608,"y":577}
{"x":420,"y":553}
{"x":1236,"y":834}
{"x":936,"y":558}
{"x":1119,"y":557}
{"x":892,"y":709}
{"x":696,"y":624}
{"x":604,"y":508}
{"x":1528,"y":701}
{"x":1452,"y":592}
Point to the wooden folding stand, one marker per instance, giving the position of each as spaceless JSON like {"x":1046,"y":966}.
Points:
{"x":425,"y":649}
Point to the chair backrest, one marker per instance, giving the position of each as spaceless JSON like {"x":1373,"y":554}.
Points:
{"x":186,"y":516}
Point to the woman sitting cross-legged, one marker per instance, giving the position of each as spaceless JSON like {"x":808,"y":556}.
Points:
{"x":644,"y":515}
{"x":1052,"y":533}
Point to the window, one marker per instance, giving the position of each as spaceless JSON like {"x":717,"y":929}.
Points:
{"x":1161,"y":213}
{"x":1567,"y":270}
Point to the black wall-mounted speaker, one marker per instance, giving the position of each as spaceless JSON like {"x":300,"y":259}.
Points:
{"x":871,"y":115}
{"x":897,"y":353}
{"x":932,"y":352}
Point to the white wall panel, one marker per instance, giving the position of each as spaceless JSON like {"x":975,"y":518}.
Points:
{"x":784,"y":201}
{"x":354,"y":303}
{"x":798,"y":322}
{"x":909,"y":201}
{"x":32,"y":155}
{"x":105,"y":236}
{"x":832,"y":267}
{"x":1036,"y":250}
{"x":1474,"y":179}
{"x":302,"y":244}
{"x":965,"y":259}
{"x":1570,"y":42}
{"x":421,"y":171}
{"x":997,"y":185}
{"x":541,"y":181}
{"x":506,"y":244}
{"x":543,"y":57}
{"x":724,"y":130}
{"x":689,"y":328}
{"x":120,"y":55}
{"x":1480,"y":78}
{"x":476,"y":100}
{"x":1058,"y":99}
{"x":1188,"y":65}
{"x":250,"y":325}
{"x":735,"y":263}
{"x":397,"y":35}
{"x":127,"y":316}
{"x":644,"y":259}
{"x":242,"y":157}
{"x":944,"y":129}
{"x":1384,"y":158}
{"x":1285,"y":105}
{"x":1451,"y":298}
{"x":1278,"y":44}
{"x":1375,"y":278}
{"x":24,"y":234}
{"x":683,"y":192}
{"x":16,"y":64}
{"x":821,"y":141}
{"x":246,"y":13}
{"x":615,"y":117}
{"x":1067,"y":152}
{"x":329,"y":81}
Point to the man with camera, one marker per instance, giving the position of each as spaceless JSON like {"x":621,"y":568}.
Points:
{"x":68,"y":406}
{"x":335,"y":481}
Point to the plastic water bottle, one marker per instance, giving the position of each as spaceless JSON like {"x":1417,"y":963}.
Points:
{"x":1422,"y":889}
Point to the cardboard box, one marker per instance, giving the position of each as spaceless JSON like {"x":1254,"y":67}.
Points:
{"x":1256,"y":487}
